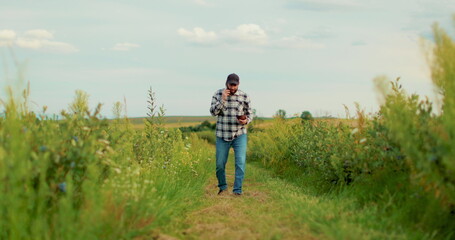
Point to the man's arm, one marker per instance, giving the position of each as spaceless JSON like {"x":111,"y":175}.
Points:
{"x":249,"y":110}
{"x":218,"y":105}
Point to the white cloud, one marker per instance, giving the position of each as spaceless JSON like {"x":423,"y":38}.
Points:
{"x":125,"y":46}
{"x":7,"y":34}
{"x":7,"y":37}
{"x":59,"y":47}
{"x":299,"y":43}
{"x":45,"y":45}
{"x":37,"y":39}
{"x":198,"y":35}
{"x":29,"y":43}
{"x":247,"y":33}
{"x":247,"y":37}
{"x":39,"y":34}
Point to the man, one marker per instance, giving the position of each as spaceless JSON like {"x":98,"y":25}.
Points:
{"x":233,"y":111}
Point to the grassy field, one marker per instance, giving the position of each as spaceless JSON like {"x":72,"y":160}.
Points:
{"x":282,"y":207}
{"x":174,"y":121}
{"x":186,"y":121}
{"x":390,"y":175}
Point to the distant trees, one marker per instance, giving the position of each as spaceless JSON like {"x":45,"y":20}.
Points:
{"x":306,"y":115}
{"x":281,"y":113}
{"x":204,"y":126}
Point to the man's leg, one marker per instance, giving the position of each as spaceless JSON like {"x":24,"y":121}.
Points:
{"x":222,"y":153}
{"x":239,"y":145}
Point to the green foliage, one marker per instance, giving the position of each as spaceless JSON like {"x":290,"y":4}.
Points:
{"x":80,"y":104}
{"x":203,"y":127}
{"x":82,"y":177}
{"x":252,"y":126}
{"x":154,"y":117}
{"x":425,"y":138}
{"x":333,"y":154}
{"x":209,"y":136}
{"x":306,"y":115}
{"x":402,"y":161}
{"x":281,"y":113}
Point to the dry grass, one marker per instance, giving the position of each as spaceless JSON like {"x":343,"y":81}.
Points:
{"x":141,"y":126}
{"x":174,"y":121}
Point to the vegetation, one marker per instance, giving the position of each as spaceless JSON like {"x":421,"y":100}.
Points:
{"x":82,"y":177}
{"x":306,"y":115}
{"x":281,"y":113}
{"x":388,"y":176}
{"x":204,"y":126}
{"x":400,"y":163}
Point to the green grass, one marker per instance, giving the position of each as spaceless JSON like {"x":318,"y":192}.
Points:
{"x":83,"y":177}
{"x":344,"y":214}
{"x":277,"y":206}
{"x":258,"y":214}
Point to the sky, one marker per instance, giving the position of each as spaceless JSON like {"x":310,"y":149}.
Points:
{"x":296,"y":55}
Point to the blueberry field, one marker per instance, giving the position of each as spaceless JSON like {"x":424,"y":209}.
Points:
{"x":384,"y":175}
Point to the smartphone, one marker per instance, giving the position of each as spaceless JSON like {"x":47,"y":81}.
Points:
{"x":242,"y":117}
{"x":229,"y":93}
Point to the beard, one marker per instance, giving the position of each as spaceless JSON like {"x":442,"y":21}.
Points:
{"x":232,"y":91}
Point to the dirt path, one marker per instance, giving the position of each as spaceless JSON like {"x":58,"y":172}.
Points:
{"x":254,"y":215}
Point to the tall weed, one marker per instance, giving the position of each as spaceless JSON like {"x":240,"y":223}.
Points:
{"x":400,"y":160}
{"x":84,"y":177}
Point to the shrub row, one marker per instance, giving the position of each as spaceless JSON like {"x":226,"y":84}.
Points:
{"x":81,"y":177}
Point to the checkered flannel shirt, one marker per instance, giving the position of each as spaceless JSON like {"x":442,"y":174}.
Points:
{"x":227,"y":126}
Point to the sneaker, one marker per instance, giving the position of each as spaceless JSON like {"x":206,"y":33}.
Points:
{"x":222,"y":191}
{"x":237,"y":194}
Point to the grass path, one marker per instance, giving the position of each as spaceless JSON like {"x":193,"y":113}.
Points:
{"x":255,"y":215}
{"x":274,"y":208}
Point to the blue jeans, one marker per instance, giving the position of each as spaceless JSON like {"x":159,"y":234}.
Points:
{"x":222,"y":153}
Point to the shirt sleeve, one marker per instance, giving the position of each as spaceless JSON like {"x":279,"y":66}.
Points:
{"x":218,"y":106}
{"x":248,"y":109}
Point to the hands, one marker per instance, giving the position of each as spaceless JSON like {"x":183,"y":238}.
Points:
{"x":225,"y":94}
{"x":243,"y":122}
{"x":242,"y":119}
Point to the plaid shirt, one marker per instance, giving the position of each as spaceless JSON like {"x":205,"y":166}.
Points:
{"x":227,"y":126}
